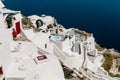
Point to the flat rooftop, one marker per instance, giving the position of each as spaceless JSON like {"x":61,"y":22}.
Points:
{"x":24,"y":63}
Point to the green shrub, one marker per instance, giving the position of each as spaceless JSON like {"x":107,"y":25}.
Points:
{"x":26,"y":21}
{"x":108,"y":61}
{"x":119,"y":68}
{"x":67,"y":73}
{"x":111,"y":74}
{"x":114,"y":75}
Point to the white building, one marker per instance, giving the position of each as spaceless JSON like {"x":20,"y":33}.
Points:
{"x":70,"y":46}
{"x":10,"y":19}
{"x":41,"y":22}
{"x":37,"y":58}
{"x":23,"y":60}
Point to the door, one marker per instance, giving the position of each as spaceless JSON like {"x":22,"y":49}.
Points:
{"x":1,"y":71}
{"x":18,"y":27}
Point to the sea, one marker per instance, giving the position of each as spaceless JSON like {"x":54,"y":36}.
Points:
{"x":100,"y":17}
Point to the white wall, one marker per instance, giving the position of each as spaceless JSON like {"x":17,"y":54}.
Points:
{"x":2,"y":21}
{"x":65,"y":43}
{"x":5,"y":56}
{"x":91,"y":46}
{"x":40,"y":39}
{"x":48,"y":20}
{"x":91,"y":43}
{"x":18,"y":18}
{"x":92,"y":67}
{"x":6,"y":35}
{"x":98,"y":60}
{"x":1,"y":4}
{"x":49,"y":70}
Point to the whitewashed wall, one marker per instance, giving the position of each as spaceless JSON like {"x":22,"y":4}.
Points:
{"x":6,"y":35}
{"x":3,"y":24}
{"x":5,"y":56}
{"x":1,"y":4}
{"x":18,"y":18}
{"x":40,"y":39}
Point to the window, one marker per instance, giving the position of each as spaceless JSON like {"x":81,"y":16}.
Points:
{"x":41,"y":57}
{"x":79,"y":48}
{"x":45,"y":46}
{"x":14,"y":18}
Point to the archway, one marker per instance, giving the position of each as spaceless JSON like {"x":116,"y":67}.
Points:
{"x":39,"y":23}
{"x":9,"y":20}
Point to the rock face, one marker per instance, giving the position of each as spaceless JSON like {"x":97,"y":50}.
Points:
{"x":111,"y":61}
{"x":115,"y":68}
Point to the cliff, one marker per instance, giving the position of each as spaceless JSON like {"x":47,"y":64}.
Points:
{"x":111,"y":62}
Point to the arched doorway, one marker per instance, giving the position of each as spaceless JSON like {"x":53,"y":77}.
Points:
{"x":9,"y":20}
{"x":39,"y":23}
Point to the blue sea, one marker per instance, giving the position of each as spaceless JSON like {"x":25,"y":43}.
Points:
{"x":100,"y":17}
